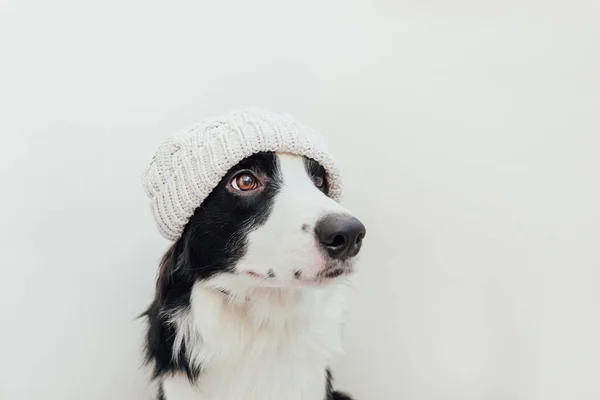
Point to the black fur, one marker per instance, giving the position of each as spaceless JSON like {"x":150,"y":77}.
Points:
{"x":340,"y":396}
{"x":330,"y":393}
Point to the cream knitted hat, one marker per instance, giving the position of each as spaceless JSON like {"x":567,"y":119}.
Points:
{"x":190,"y":164}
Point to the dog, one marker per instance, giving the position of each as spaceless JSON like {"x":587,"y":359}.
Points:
{"x":250,"y":301}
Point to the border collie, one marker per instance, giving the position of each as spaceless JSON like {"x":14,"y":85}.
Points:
{"x":250,"y":301}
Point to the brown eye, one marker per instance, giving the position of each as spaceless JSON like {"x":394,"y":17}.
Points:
{"x":320,"y":180}
{"x":244,"y":182}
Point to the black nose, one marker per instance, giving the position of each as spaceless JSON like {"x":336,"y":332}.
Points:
{"x":340,"y":235}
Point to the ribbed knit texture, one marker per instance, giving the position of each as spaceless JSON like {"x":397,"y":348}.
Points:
{"x":191,"y":163}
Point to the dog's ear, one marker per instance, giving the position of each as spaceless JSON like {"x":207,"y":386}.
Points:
{"x":165,"y":270}
{"x":165,"y":263}
{"x":175,"y":278}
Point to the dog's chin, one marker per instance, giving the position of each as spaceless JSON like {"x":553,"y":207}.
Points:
{"x":331,"y":273}
{"x":322,"y":280}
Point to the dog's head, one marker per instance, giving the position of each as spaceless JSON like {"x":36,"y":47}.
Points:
{"x":269,"y":222}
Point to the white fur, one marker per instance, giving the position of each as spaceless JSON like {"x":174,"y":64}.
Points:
{"x":264,"y":340}
{"x":274,"y":345}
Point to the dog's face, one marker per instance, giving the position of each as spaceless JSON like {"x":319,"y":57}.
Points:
{"x":269,"y":222}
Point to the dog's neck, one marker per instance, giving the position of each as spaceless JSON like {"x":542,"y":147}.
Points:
{"x":273,"y":343}
{"x":264,"y":306}
{"x":228,"y":324}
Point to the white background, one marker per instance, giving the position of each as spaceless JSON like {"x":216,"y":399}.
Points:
{"x":469,"y":132}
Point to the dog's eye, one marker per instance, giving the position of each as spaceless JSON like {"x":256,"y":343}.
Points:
{"x":320,"y":180}
{"x":244,"y":182}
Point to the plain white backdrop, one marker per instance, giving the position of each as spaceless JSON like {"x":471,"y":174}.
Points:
{"x":469,"y":133}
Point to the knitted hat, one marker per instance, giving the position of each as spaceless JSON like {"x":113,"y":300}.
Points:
{"x":191,"y":163}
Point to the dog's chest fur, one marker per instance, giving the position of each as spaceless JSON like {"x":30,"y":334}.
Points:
{"x":262,"y":344}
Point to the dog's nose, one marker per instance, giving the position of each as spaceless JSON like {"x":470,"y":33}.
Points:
{"x":340,"y":235}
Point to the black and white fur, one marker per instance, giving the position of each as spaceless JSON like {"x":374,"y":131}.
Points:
{"x":248,"y":305}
